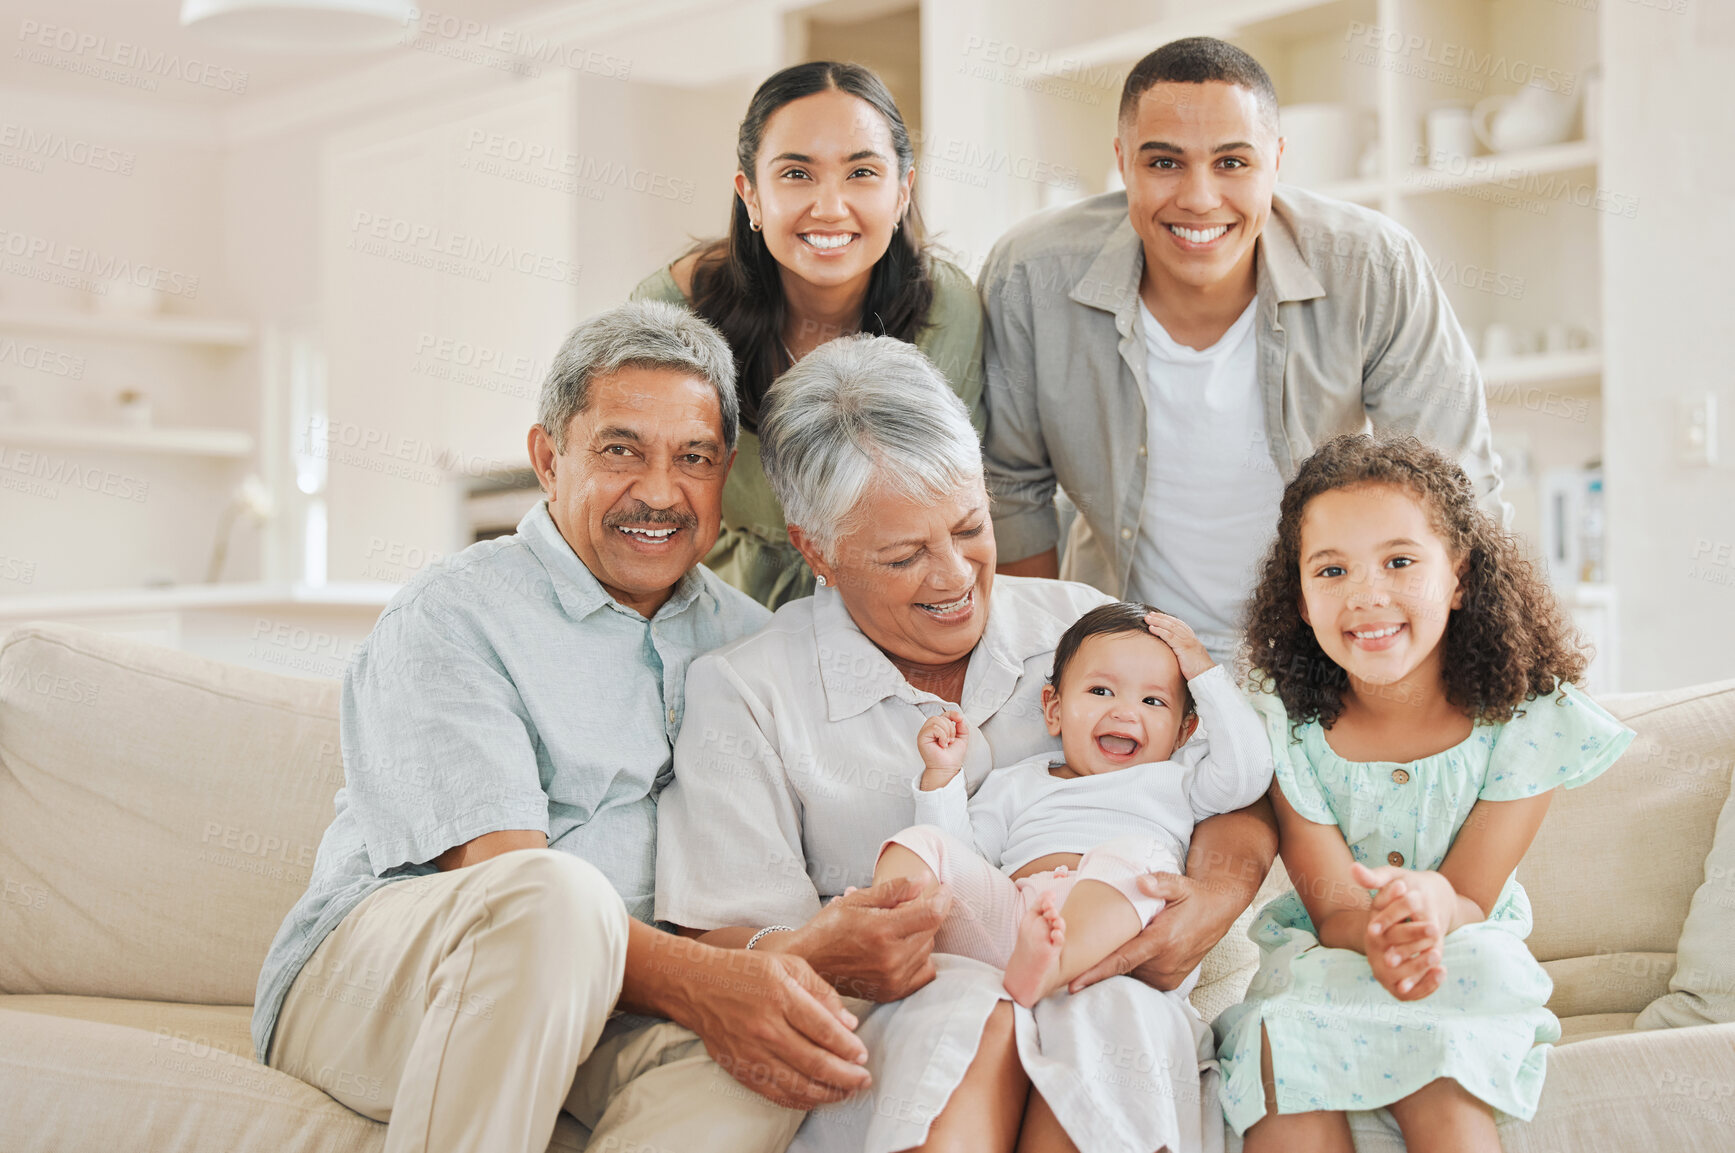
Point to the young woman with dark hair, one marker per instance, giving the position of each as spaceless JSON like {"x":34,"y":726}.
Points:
{"x":824,"y":240}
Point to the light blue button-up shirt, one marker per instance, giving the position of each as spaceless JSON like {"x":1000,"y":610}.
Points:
{"x":504,"y":690}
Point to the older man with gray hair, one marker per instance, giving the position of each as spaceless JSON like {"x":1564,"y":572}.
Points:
{"x":477,"y":925}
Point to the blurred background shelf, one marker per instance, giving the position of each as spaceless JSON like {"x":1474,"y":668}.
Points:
{"x":1580,"y":366}
{"x":1514,"y":169}
{"x":156,"y":328}
{"x":1367,"y":192}
{"x":1224,"y":18}
{"x":299,"y":629}
{"x":213,"y":442}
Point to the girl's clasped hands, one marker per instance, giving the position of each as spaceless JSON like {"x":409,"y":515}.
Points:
{"x":1411,"y":914}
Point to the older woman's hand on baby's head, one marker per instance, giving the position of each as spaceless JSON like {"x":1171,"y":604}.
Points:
{"x":1178,"y":635}
{"x":875,"y":943}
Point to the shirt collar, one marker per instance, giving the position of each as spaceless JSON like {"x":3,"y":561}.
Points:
{"x":1022,"y":623}
{"x":1280,"y":257}
{"x":855,"y":675}
{"x":579,"y":592}
{"x":1111,"y":282}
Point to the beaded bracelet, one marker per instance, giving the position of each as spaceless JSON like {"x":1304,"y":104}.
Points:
{"x":754,"y":939}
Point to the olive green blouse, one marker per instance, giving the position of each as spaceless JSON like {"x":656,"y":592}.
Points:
{"x":753,"y":552}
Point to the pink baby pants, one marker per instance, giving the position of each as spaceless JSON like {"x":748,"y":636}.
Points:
{"x":987,"y":905}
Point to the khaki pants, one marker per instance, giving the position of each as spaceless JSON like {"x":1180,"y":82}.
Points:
{"x":466,"y":1009}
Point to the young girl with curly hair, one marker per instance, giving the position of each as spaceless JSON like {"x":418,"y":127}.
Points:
{"x":1419,"y":700}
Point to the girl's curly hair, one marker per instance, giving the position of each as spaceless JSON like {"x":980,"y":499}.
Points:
{"x":1509,"y":642}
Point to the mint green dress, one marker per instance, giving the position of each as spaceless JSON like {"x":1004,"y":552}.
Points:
{"x":753,"y":552}
{"x":1339,"y":1041}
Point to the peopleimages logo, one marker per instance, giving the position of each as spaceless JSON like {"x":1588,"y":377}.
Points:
{"x":43,"y":474}
{"x":525,"y":47}
{"x":537,"y":163}
{"x":1418,"y":54}
{"x":38,"y":146}
{"x":98,"y":266}
{"x":40,"y":358}
{"x":413,"y":242}
{"x":85,"y":47}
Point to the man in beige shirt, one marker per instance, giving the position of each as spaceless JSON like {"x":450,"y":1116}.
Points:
{"x":1168,"y":355}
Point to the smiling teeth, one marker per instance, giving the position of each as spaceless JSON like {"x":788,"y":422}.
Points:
{"x":942,"y":610}
{"x":826,"y":241}
{"x":1197,"y":236}
{"x":1376,"y":634}
{"x":653,"y":533}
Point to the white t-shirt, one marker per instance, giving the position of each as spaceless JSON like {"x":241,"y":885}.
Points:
{"x":1022,"y":812}
{"x":1212,"y":491}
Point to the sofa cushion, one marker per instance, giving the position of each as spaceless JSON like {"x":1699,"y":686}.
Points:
{"x":1616,"y":863}
{"x":82,"y":1074}
{"x":1632,"y":1091}
{"x":159,"y":814}
{"x":1607,"y":982}
{"x":1587,"y":1026}
{"x":1702,"y":990}
{"x":1230,"y":965}
{"x":91,"y":1074}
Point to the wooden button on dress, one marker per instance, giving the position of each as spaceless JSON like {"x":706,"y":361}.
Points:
{"x":1394,"y":858}
{"x":1401,"y":776}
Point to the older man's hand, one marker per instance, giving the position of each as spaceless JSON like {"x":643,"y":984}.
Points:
{"x":777,"y":1028}
{"x":875,"y":943}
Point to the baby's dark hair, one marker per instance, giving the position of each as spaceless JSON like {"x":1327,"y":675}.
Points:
{"x":1508,"y":643}
{"x":1114,"y":617}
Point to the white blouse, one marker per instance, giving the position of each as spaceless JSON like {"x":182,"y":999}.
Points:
{"x":798,"y":755}
{"x":797,"y":759}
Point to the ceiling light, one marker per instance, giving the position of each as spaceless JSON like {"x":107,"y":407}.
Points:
{"x":301,"y":25}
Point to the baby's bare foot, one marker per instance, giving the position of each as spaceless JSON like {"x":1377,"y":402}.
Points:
{"x":1032,"y":972}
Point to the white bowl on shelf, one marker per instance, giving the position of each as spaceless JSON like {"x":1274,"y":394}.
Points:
{"x":1322,"y":143}
{"x":126,"y":299}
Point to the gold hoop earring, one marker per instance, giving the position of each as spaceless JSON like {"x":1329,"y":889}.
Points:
{"x":753,"y":224}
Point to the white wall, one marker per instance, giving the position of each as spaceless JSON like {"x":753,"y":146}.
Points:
{"x":153,"y":209}
{"x":270,"y":213}
{"x":1670,"y":122}
{"x":998,"y":134}
{"x":432,"y":249}
{"x":578,"y":173}
{"x":263,"y":214}
{"x":671,"y":155}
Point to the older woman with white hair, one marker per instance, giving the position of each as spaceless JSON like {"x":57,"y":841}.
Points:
{"x":797,"y":759}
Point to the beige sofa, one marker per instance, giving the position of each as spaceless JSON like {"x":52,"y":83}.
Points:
{"x":159,"y":813}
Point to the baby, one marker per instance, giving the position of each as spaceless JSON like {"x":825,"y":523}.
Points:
{"x":1072,"y":836}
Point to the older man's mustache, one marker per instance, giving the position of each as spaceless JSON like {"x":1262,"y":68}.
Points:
{"x":642,"y":515}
